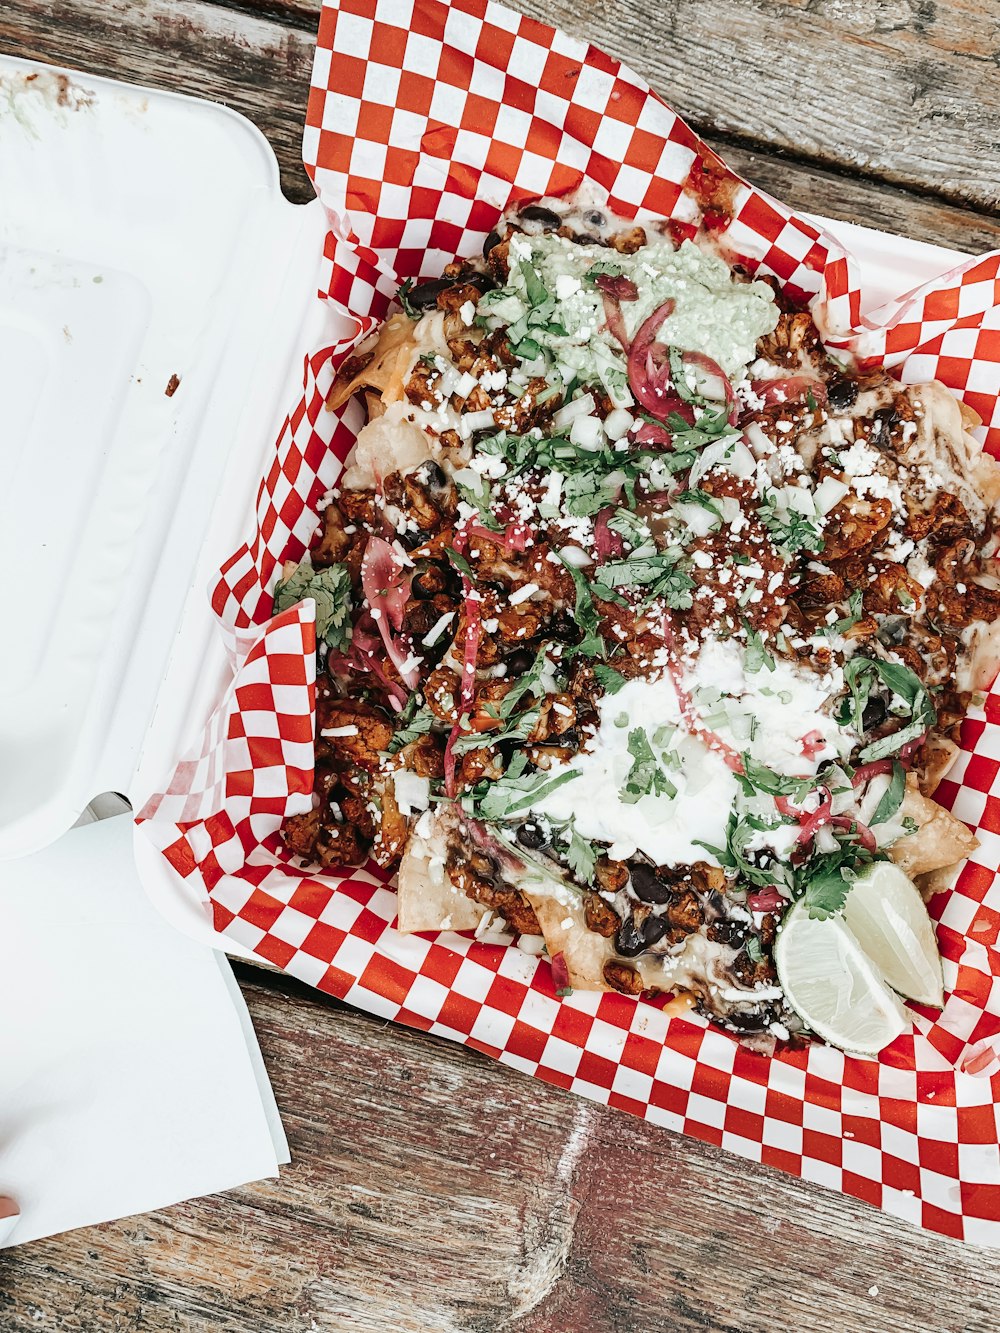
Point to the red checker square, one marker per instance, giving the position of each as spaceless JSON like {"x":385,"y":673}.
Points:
{"x":368,"y":927}
{"x":310,"y":897}
{"x":240,"y":783}
{"x":936,"y":1155}
{"x":625,"y":103}
{"x":749,"y":1065}
{"x":494,"y":46}
{"x":416,"y":93}
{"x":991,"y":815}
{"x":221,"y":916}
{"x":669,"y":1098}
{"x":388,"y":45}
{"x":265,"y":752}
{"x":596,"y":1069}
{"x":942,"y":304}
{"x":322,"y":942}
{"x":572,"y":1025}
{"x":375,"y":122}
{"x":526,"y":1041}
{"x":981,"y":1201}
{"x":413,"y":1020}
{"x":862,"y":1188}
{"x":560,"y":74}
{"x":707,"y":1133}
{"x":480,"y":114}
{"x":627,"y":1104}
{"x":937,"y":1219}
{"x":335,"y":981}
{"x":761,"y":217}
{"x":620,"y":1010}
{"x":553,"y":1076}
{"x":712,"y":1083}
{"x":261,"y":910}
{"x":822,"y":1147}
{"x":902,"y":1114}
{"x":780,"y":1106}
{"x":385,"y":978}
{"x":976,"y":1124}
{"x":256,"y":697}
{"x":275,"y":951}
{"x":237,"y":730}
{"x":644,"y":148}
{"x":782,"y":1160}
{"x":506,"y":995}
{"x":181,"y":857}
{"x":642,"y":1054}
{"x":347,"y":75}
{"x":860,"y":1075}
{"x":864,"y":1130}
{"x":441,"y":965}
{"x":459,"y":1012}
{"x":296,"y":727}
{"x":582,"y":124}
{"x":900,"y":1175}
{"x":975,"y":880}
{"x":747,"y":1124}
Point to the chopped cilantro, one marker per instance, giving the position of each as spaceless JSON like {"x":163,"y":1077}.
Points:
{"x":404,"y":299}
{"x":661,"y":575}
{"x":419,"y":724}
{"x":460,"y":563}
{"x":645,"y":777}
{"x":330,"y":589}
{"x":581,"y":856}
{"x":608,"y":678}
{"x":854,"y":614}
{"x":755,"y":655}
{"x":585,"y":612}
{"x":892,"y":797}
{"x":505,"y":796}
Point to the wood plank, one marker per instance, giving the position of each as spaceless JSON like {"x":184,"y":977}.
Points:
{"x":261,"y":67}
{"x":432,"y":1189}
{"x":907,"y":91}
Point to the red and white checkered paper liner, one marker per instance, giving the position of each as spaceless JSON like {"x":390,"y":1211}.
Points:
{"x":426,"y":118}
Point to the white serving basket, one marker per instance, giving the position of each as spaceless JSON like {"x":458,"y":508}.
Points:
{"x":145,"y":246}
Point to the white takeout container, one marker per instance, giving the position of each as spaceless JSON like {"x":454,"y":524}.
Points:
{"x":144,"y":236}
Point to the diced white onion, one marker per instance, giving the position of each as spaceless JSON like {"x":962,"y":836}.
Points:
{"x":575,"y":556}
{"x":579,"y":407}
{"x":829,"y":493}
{"x":618,"y":423}
{"x":587,"y":432}
{"x":473,"y":421}
{"x":412,"y":791}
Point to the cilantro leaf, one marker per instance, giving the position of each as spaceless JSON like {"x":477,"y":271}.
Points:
{"x":645,"y":777}
{"x":330,"y":589}
{"x":608,"y":678}
{"x":418,"y":725}
{"x":661,"y":574}
{"x":586,"y":615}
{"x":892,"y":797}
{"x":854,"y":614}
{"x":582,"y":857}
{"x":755,"y":655}
{"x":509,"y":794}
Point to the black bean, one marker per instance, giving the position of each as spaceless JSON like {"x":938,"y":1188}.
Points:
{"x":882,"y":423}
{"x":634,"y":937}
{"x":545,"y":216}
{"x":482,"y":282}
{"x":874,"y":714}
{"x":519,"y":661}
{"x":729,"y":932}
{"x":491,"y":240}
{"x":563,"y":626}
{"x":595,"y":219}
{"x":842,"y":393}
{"x":531,"y":835}
{"x":425,"y":294}
{"x":433,"y":475}
{"x":748,"y":1020}
{"x":761,"y":857}
{"x":569,"y":738}
{"x":647,"y":886}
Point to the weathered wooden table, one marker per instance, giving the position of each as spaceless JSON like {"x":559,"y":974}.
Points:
{"x":431,"y":1189}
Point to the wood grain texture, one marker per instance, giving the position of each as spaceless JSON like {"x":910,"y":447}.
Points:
{"x":431,"y":1189}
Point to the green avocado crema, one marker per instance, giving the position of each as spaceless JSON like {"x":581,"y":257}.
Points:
{"x":553,"y":309}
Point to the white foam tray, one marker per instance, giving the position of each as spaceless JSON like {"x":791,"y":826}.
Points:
{"x":144,"y":235}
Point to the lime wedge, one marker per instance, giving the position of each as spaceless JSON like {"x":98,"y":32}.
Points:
{"x":887,"y":916}
{"x":833,"y":986}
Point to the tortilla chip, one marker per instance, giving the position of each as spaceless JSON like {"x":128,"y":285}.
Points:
{"x":427,"y":898}
{"x":565,"y":931}
{"x":940,"y":840}
{"x":385,"y":372}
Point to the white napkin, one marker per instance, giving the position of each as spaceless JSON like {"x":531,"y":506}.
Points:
{"x":130,"y":1076}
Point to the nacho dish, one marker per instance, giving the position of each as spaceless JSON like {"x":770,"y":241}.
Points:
{"x":646,"y":628}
